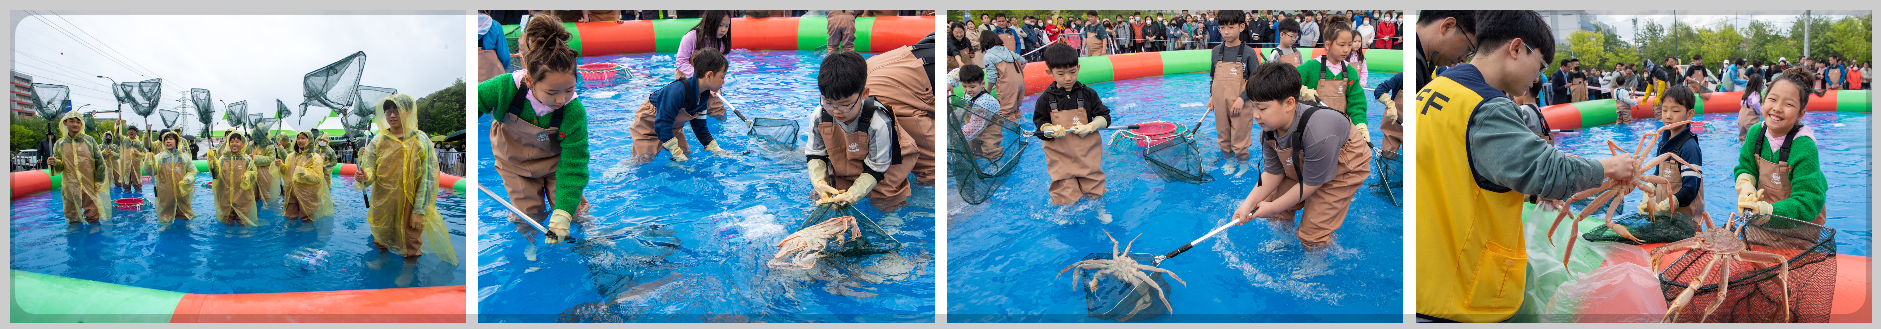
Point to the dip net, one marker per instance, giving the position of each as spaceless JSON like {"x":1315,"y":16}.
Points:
{"x":49,"y":100}
{"x":983,"y":147}
{"x":1755,"y":293}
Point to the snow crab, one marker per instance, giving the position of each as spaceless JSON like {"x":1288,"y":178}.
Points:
{"x":801,"y":250}
{"x":1658,"y":189}
{"x":1122,"y":267}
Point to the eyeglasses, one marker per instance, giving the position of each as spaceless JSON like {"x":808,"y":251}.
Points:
{"x":831,"y":108}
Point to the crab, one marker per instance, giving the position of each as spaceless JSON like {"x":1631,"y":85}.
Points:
{"x":1658,"y":188}
{"x":1122,"y":267}
{"x":1723,"y":243}
{"x":801,"y":250}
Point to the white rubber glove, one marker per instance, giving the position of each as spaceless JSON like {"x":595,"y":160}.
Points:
{"x":558,"y":226}
{"x":1755,"y":207}
{"x":819,"y":171}
{"x":1746,"y":186}
{"x":1087,"y":128}
{"x":713,"y":147}
{"x":672,"y":145}
{"x":1051,"y":130}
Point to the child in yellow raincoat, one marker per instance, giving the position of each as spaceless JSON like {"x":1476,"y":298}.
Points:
{"x":267,"y":173}
{"x":399,"y":168}
{"x":77,"y":157}
{"x":175,"y":180}
{"x":308,"y":193}
{"x":235,"y":182}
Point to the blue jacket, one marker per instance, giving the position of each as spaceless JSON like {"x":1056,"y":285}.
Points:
{"x":1685,"y":144}
{"x":681,"y":95}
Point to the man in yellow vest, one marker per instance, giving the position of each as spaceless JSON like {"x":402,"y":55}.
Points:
{"x":1477,"y":160}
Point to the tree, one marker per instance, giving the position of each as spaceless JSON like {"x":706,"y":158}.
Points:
{"x":1589,"y":46}
{"x":1852,"y":37}
{"x":24,"y":138}
{"x":442,"y":112}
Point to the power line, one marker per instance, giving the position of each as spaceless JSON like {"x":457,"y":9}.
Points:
{"x":82,"y":42}
{"x":68,"y":68}
{"x":106,"y":45}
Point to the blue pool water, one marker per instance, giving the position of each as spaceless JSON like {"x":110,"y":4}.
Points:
{"x":1843,"y":143}
{"x":688,"y":241}
{"x":1003,"y":254}
{"x":204,"y":256}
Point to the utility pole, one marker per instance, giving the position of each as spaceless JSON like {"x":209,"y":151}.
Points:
{"x":1806,"y":23}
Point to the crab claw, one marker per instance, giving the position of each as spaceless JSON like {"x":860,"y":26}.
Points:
{"x":1623,"y":232}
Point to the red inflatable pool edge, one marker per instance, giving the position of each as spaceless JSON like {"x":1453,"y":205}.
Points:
{"x":392,"y":305}
{"x":30,"y":182}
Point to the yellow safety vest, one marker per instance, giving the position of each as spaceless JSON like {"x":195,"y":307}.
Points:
{"x":1471,"y":260}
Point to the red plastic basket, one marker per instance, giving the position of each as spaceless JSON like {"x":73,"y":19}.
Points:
{"x":129,"y":203}
{"x":598,"y":71}
{"x":1154,"y":133}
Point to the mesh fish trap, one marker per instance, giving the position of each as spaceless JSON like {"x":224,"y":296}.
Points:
{"x":1656,"y":228}
{"x":49,"y":100}
{"x":1114,"y":299}
{"x":1755,"y":292}
{"x":1178,"y":160}
{"x":873,"y":241}
{"x":983,"y":149}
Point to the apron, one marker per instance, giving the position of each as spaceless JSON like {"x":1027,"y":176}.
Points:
{"x":1010,"y":89}
{"x":394,"y":193}
{"x":1007,"y":40}
{"x":847,"y":151}
{"x":899,"y":80}
{"x":1578,"y":92}
{"x":81,"y":194}
{"x":267,"y":182}
{"x":128,"y":158}
{"x":173,"y":198}
{"x":1331,"y":92}
{"x":1325,"y":210}
{"x":1094,"y":47}
{"x":1775,"y":183}
{"x":489,"y":65}
{"x":526,"y":156}
{"x":646,"y":140}
{"x":235,"y":204}
{"x":1233,"y":126}
{"x":1670,"y":171}
{"x":1074,"y":162}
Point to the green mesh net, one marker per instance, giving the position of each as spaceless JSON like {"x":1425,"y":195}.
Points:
{"x":170,"y":117}
{"x":49,"y":100}
{"x":1178,"y":160}
{"x":983,"y":148}
{"x":873,"y":241}
{"x":1117,"y":300}
{"x":358,"y":120}
{"x":237,"y":114}
{"x":780,"y":133}
{"x":1388,"y":166}
{"x":1756,"y":293}
{"x":335,"y":85}
{"x":1656,"y":228}
{"x":141,"y":96}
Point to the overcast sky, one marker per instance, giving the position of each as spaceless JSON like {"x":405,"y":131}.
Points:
{"x":1622,"y":21}
{"x":237,"y":57}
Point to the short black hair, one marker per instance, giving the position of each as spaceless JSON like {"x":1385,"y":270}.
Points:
{"x":1059,"y":56}
{"x":1231,"y":17}
{"x":1273,"y":81}
{"x":972,"y":73}
{"x":1681,"y":94}
{"x":988,"y":40}
{"x":842,"y":75}
{"x":1091,"y":13}
{"x":1496,"y":28}
{"x":1289,"y":25}
{"x":1571,"y":60}
{"x":999,"y":15}
{"x":707,"y":60}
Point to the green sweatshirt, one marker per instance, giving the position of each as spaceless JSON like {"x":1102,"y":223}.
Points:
{"x":571,"y":173}
{"x":1354,"y":93}
{"x":1807,"y":184}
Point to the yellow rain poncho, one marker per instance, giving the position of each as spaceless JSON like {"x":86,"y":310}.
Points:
{"x":132,"y":156}
{"x":175,"y":182}
{"x":235,"y":184}
{"x":83,"y":166}
{"x":308,"y":193}
{"x":400,"y":170}
{"x":267,"y":172}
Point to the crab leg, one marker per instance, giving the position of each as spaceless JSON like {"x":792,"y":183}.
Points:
{"x":1565,"y":211}
{"x":1672,"y":310}
{"x":1783,"y":275}
{"x":1724,"y":290}
{"x":1616,"y":227}
{"x":1172,"y":275}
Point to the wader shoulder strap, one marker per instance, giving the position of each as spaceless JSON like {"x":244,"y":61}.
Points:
{"x":520,"y":103}
{"x":1783,"y":155}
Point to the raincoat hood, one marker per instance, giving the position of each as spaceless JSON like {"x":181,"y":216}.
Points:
{"x":171,"y":134}
{"x":407,"y":110}
{"x":70,"y":115}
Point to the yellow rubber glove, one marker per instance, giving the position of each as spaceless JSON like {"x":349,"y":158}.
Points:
{"x":1391,"y":107}
{"x":713,"y":147}
{"x":863,"y":185}
{"x":1755,"y":207}
{"x":1051,"y":130}
{"x":1746,"y":184}
{"x":818,"y":171}
{"x":672,"y":145}
{"x":1087,"y":128}
{"x":559,"y":222}
{"x":1308,"y":94}
{"x":1362,"y":130}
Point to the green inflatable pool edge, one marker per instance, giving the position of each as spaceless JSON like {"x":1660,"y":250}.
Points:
{"x":41,"y":298}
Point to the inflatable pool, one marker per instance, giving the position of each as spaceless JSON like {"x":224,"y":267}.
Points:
{"x":1598,"y":112}
{"x":30,"y":182}
{"x":1120,"y":67}
{"x":40,"y":298}
{"x":873,"y":34}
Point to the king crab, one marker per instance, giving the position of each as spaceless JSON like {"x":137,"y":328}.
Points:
{"x":1723,"y":243}
{"x":1658,"y":188}
{"x":801,"y":250}
{"x":1124,"y":268}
